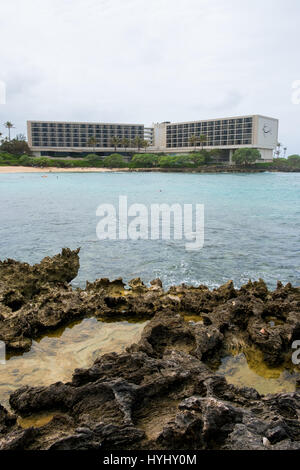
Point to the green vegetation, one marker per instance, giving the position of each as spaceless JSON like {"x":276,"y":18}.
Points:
{"x":114,"y":160}
{"x":146,"y":160}
{"x":125,"y":142}
{"x":44,"y":162}
{"x":15,"y":147}
{"x":197,"y":140}
{"x":6,"y":159}
{"x":92,"y":142}
{"x":17,"y":153}
{"x":294,"y":161}
{"x":115,"y":142}
{"x":9,"y":125}
{"x":180,"y":161}
{"x":246,"y":156}
{"x":149,"y":160}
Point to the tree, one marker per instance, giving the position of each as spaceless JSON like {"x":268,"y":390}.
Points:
{"x":9,"y":125}
{"x":125,"y":142}
{"x":176,"y":161}
{"x":294,"y":161}
{"x":216,"y":155}
{"x":115,"y":142}
{"x":15,"y":147}
{"x":92,"y":142}
{"x":246,"y":155}
{"x":145,"y":144}
{"x":146,"y":160}
{"x":93,"y":157}
{"x":278,"y":150}
{"x":167,"y":161}
{"x":115,"y":160}
{"x":202,"y":139}
{"x":193,"y":140}
{"x":198,"y":158}
{"x":138,"y":142}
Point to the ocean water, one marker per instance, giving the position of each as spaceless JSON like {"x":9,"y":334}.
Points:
{"x":252,"y":225}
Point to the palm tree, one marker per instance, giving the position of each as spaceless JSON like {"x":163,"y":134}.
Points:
{"x":145,"y":144}
{"x":125,"y":143}
{"x":115,"y":142}
{"x":9,"y":125}
{"x":278,"y":152}
{"x":202,"y":139}
{"x":138,"y":142}
{"x":193,"y":140}
{"x":92,"y":142}
{"x":20,"y":137}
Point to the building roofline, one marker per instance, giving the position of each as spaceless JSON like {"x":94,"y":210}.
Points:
{"x":84,"y":122}
{"x":220,"y":119}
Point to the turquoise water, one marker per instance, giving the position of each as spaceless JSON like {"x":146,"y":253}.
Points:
{"x":252,"y":225}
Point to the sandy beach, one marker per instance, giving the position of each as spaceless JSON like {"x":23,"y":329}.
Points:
{"x":26,"y":169}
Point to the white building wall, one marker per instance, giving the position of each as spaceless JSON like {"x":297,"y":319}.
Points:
{"x":160,"y":135}
{"x":265,"y":132}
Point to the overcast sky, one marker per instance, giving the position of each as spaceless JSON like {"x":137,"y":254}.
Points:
{"x":140,"y":61}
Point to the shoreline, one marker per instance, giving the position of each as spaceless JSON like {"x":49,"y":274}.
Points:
{"x":27,"y":169}
{"x":212,"y":169}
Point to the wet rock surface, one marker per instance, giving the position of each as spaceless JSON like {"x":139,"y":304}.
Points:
{"x":163,"y":392}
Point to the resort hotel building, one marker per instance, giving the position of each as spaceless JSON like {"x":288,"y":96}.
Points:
{"x":49,"y":138}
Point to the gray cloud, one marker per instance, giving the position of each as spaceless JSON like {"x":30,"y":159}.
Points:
{"x":141,"y":61}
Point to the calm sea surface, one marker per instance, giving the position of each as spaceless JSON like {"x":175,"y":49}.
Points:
{"x":252,"y":225}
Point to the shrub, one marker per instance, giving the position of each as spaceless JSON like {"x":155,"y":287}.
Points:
{"x":146,"y":160}
{"x":246,"y":155}
{"x":25,"y":160}
{"x":198,"y":158}
{"x":294,"y":161}
{"x":115,"y":160}
{"x":15,"y":147}
{"x":167,"y":161}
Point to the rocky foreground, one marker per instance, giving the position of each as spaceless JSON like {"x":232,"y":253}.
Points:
{"x":162,"y":393}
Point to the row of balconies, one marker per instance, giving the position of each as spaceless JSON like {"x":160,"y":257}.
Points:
{"x":213,"y":137}
{"x":74,"y":144}
{"x":211,"y":129}
{"x":209,"y":144}
{"x":197,"y":126}
{"x":57,"y":132}
{"x":70,"y":142}
{"x":211,"y":123}
{"x":83,"y":126}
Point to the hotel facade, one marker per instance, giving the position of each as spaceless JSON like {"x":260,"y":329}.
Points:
{"x":49,"y":138}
